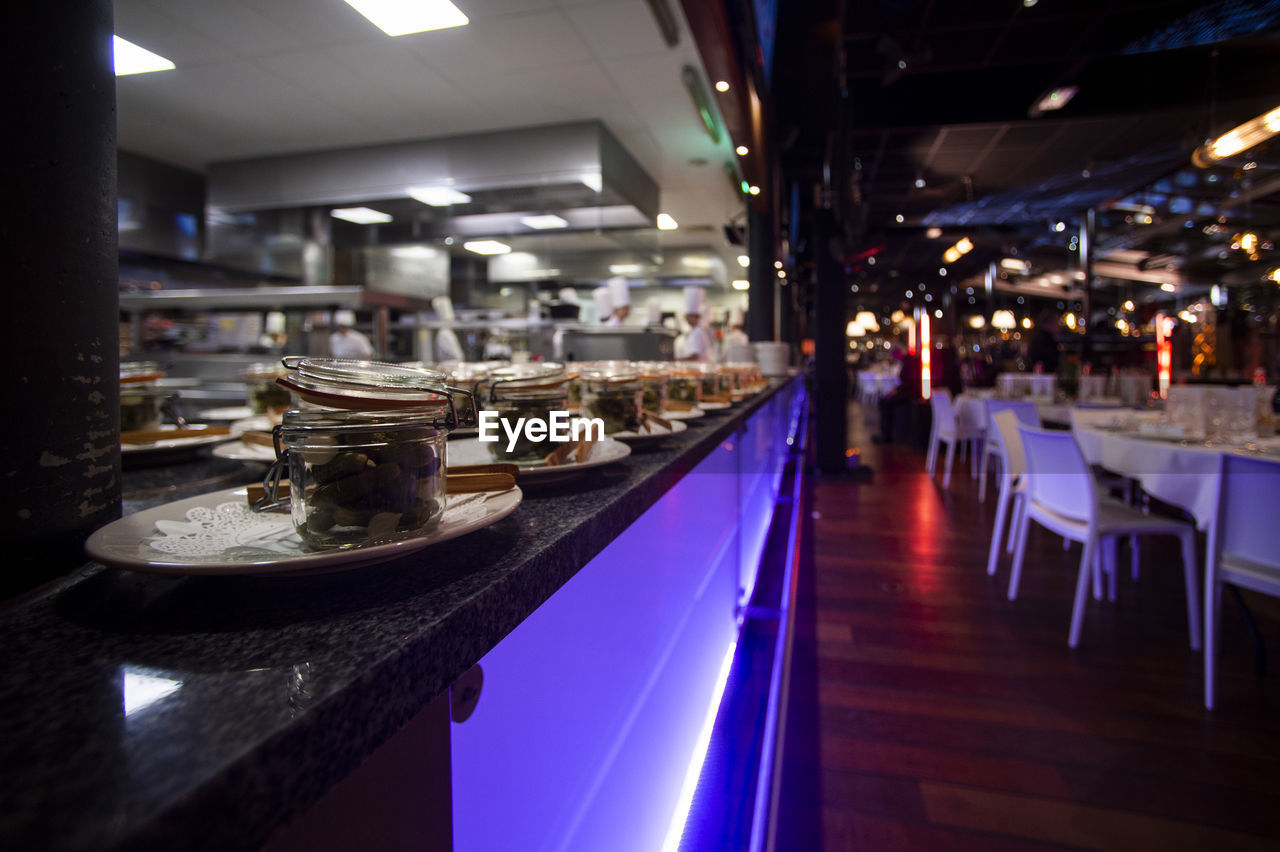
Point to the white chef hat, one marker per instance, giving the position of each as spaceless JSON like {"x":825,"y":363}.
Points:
{"x":444,"y":308}
{"x":344,"y":318}
{"x":694,"y":300}
{"x":619,"y":292}
{"x":604,"y":305}
{"x":653,"y":311}
{"x":736,"y":317}
{"x":568,"y":295}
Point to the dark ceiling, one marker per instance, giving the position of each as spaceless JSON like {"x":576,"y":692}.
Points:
{"x":942,"y":93}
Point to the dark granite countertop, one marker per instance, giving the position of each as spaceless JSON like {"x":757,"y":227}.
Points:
{"x":286,"y":683}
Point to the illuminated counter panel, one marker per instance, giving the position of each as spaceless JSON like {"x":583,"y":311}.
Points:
{"x":592,"y":708}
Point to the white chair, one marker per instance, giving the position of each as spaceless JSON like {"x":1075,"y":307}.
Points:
{"x":1062,"y":497}
{"x":1013,"y":483}
{"x":992,"y":445}
{"x":1244,"y":545}
{"x":946,"y":430}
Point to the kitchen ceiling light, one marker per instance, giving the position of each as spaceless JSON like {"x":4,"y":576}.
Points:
{"x":360,"y":215}
{"x":854,"y":329}
{"x":1013,"y":264}
{"x":977,"y":321}
{"x":933,"y":233}
{"x":742,"y":150}
{"x":624,"y":268}
{"x":438,"y":196}
{"x":544,"y":222}
{"x":777,"y":264}
{"x":899,"y":218}
{"x":741,"y":284}
{"x":486,"y":247}
{"x":744,"y":260}
{"x":666,"y":223}
{"x":753,"y":189}
{"x":722,"y":85}
{"x":402,"y":17}
{"x":129,"y":58}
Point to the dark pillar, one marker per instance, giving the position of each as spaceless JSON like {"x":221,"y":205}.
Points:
{"x":60,"y":451}
{"x":761,"y":246}
{"x":831,"y":381}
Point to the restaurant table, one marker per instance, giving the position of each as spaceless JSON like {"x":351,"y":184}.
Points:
{"x":971,"y":408}
{"x":873,"y":384}
{"x":1181,"y":473}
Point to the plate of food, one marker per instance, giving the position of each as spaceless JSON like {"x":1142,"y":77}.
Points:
{"x":218,"y":533}
{"x":651,"y":429}
{"x":561,"y":461}
{"x":171,"y":439}
{"x":692,"y":413}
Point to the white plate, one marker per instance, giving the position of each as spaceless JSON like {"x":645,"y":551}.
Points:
{"x":194,"y":442}
{"x":232,"y":412}
{"x":714,"y":406}
{"x":653,"y":435}
{"x":240,"y":451}
{"x":216,"y":533}
{"x":691,"y":414}
{"x":470,"y":451}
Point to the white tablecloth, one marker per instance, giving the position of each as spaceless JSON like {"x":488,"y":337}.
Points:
{"x":971,"y":410}
{"x":1182,"y":476}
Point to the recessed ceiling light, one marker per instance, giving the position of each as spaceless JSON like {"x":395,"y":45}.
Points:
{"x":742,"y":150}
{"x":1057,"y":99}
{"x":625,"y":268}
{"x":131,"y":59}
{"x":402,"y":17}
{"x":438,"y":196}
{"x":544,"y":221}
{"x":900,"y":218}
{"x":777,"y":264}
{"x":666,"y":223}
{"x":722,"y":85}
{"x":360,"y":215}
{"x":593,"y":181}
{"x":744,"y":260}
{"x":933,"y":233}
{"x":486,"y":247}
{"x":741,"y":284}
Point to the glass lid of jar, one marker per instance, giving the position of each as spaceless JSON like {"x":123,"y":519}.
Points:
{"x":522,"y":380}
{"x":612,"y":371}
{"x":364,"y":384}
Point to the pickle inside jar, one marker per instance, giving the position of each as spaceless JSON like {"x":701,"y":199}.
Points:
{"x":617,"y":408}
{"x":524,"y":449}
{"x":368,"y":491}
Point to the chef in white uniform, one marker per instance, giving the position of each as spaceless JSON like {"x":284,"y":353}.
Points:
{"x":620,"y":296}
{"x":653,"y":312}
{"x":346,"y":342}
{"x":604,"y":304}
{"x":696,"y":344}
{"x":448,"y":347}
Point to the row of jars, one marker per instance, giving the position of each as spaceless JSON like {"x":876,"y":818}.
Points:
{"x":364,"y":447}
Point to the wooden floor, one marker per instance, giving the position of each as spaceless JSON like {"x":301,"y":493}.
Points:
{"x":929,"y":712}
